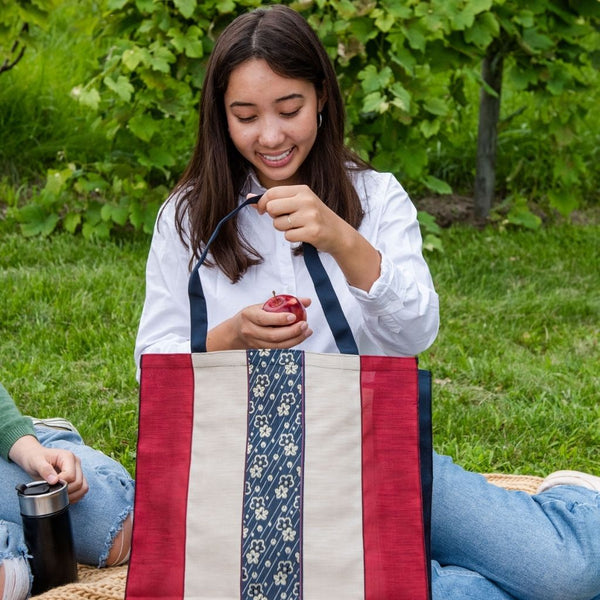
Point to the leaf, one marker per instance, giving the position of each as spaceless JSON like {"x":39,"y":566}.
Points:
{"x":143,"y":126}
{"x":538,"y":42}
{"x":521,"y":216}
{"x":99,"y":230}
{"x":374,"y":102}
{"x":436,"y":185}
{"x":432,"y":243}
{"x":429,"y":128}
{"x":404,"y":57}
{"x":118,"y":213}
{"x":35,"y":221}
{"x":428,"y":222}
{"x":398,"y":10}
{"x":145,"y":6}
{"x":565,"y":202}
{"x":132,"y":57}
{"x":56,"y":180}
{"x":384,"y":21}
{"x":401,"y":97}
{"x":522,"y":76}
{"x":113,"y":5}
{"x":160,"y":58}
{"x":121,"y":87}
{"x":415,"y":37}
{"x":161,"y":157}
{"x":190,"y":43}
{"x":71,"y":222}
{"x":412,"y":159}
{"x":225,"y":6}
{"x":185,"y":7}
{"x":88,"y":97}
{"x":436,"y":106}
{"x":373,"y":80}
{"x":484,"y":30}
{"x":362,"y":29}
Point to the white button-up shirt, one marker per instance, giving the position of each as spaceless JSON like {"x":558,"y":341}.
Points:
{"x":399,"y":315}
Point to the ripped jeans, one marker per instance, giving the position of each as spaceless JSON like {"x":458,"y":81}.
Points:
{"x":95,"y":519}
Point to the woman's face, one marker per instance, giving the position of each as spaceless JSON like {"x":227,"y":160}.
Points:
{"x":272,"y":120}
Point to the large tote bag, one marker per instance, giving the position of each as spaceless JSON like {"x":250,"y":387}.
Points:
{"x":282,"y":474}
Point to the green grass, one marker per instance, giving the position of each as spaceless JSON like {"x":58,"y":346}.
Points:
{"x":516,"y":360}
{"x":515,"y":364}
{"x":68,"y":317}
{"x":41,"y":125}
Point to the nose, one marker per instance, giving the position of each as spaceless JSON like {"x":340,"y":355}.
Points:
{"x":271,"y":134}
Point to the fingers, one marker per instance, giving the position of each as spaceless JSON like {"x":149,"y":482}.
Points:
{"x":261,"y":329}
{"x":66,"y":466}
{"x":282,"y":201}
{"x":280,"y":337}
{"x":298,"y":212}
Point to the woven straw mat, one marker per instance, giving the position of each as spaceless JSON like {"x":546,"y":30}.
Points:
{"x":109,"y":584}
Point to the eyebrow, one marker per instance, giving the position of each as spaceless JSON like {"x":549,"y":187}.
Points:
{"x":282,"y":99}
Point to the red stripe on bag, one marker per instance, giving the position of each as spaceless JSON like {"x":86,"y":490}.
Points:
{"x":164,"y":440}
{"x":393,"y":518}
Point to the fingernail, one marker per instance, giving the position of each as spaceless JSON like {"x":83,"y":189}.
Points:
{"x":303,"y":325}
{"x":291,"y":318}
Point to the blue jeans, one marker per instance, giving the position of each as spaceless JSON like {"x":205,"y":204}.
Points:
{"x":95,"y":520}
{"x":489,"y":543}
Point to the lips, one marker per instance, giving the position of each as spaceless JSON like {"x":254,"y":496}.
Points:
{"x":277,"y":160}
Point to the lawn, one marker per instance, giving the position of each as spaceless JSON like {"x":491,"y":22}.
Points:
{"x":515,"y":364}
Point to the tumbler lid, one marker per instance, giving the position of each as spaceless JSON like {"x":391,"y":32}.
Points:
{"x":39,"y":498}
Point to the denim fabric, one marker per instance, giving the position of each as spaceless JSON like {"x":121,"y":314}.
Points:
{"x":489,"y":543}
{"x":96,"y":519}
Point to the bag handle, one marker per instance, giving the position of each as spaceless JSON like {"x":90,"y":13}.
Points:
{"x":327,"y":297}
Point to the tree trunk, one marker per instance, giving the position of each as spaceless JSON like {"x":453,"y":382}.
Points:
{"x":487,"y":134}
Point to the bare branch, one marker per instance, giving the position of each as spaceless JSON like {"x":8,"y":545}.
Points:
{"x":6,"y":65}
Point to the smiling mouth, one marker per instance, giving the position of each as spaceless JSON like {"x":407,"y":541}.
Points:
{"x":276,"y":159}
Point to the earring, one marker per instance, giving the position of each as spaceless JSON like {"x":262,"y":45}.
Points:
{"x":319,"y":120}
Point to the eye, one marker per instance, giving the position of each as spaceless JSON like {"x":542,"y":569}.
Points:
{"x":288,"y":115}
{"x":244,"y":119}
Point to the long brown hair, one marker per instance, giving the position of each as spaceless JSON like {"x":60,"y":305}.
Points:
{"x":217,"y":172}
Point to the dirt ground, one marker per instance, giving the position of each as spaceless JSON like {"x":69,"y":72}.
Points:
{"x":451,"y":209}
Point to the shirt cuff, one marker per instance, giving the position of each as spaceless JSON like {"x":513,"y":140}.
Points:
{"x":23,"y":428}
{"x":387,"y":292}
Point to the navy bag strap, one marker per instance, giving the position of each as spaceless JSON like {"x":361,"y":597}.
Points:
{"x":325,"y":292}
{"x":198,"y":312}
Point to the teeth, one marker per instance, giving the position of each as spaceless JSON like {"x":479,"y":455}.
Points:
{"x":277,"y":156}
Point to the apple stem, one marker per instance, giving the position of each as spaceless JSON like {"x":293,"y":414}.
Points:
{"x":274,"y":294}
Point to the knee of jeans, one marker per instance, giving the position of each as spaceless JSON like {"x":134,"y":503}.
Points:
{"x":573,"y":575}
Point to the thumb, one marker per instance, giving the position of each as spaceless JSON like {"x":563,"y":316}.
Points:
{"x":47,"y":472}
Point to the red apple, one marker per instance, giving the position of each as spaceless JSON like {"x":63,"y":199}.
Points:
{"x":285,"y":303}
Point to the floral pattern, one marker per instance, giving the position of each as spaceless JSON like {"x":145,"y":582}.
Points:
{"x":271,"y":529}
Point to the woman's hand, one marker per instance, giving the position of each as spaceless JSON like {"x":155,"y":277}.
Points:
{"x":254,"y":327}
{"x":301,"y":214}
{"x":50,"y":464}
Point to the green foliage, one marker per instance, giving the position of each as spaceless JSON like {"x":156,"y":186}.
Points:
{"x":410,"y":73}
{"x":18,"y":20}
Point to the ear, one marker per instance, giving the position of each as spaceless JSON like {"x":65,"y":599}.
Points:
{"x":321,"y":100}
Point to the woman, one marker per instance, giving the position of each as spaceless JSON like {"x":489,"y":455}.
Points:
{"x":100,"y":492}
{"x":272,"y":123}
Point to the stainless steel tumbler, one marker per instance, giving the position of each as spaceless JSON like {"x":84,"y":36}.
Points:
{"x":48,"y":534}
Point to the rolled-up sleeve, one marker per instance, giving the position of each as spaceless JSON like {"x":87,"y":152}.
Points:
{"x":401,"y":310}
